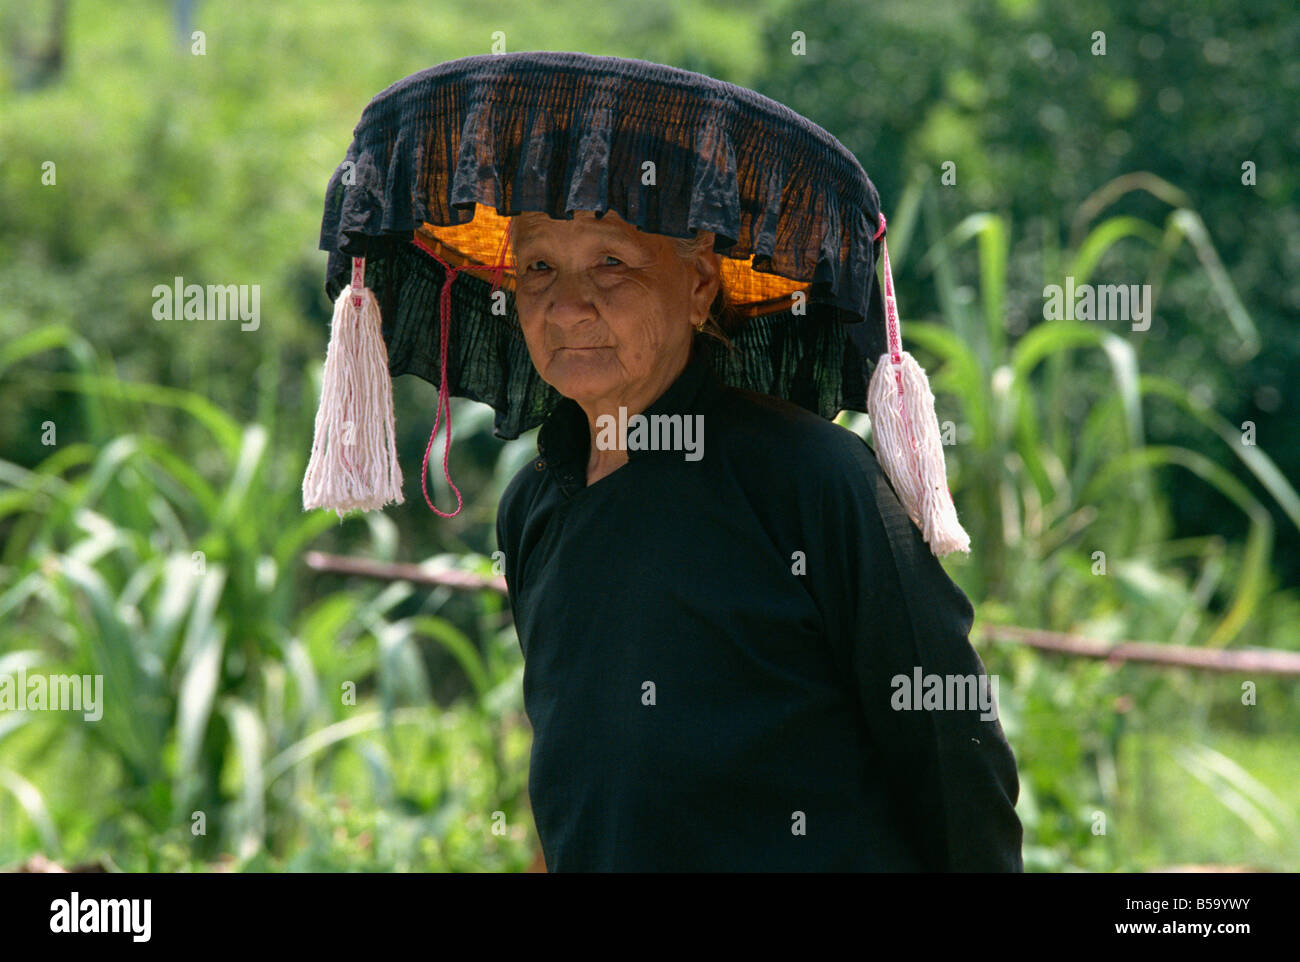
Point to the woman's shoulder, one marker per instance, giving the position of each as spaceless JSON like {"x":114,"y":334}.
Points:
{"x":804,"y":473}
{"x":765,"y":430}
{"x":519,"y":494}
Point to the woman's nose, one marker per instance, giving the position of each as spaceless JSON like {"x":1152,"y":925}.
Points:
{"x":570,"y":299}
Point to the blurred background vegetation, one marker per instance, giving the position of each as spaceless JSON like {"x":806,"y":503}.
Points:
{"x":159,"y":540}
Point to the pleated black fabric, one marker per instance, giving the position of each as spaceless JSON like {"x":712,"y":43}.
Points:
{"x":559,"y":132}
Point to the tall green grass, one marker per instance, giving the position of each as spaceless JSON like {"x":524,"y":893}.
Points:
{"x":234,"y":699}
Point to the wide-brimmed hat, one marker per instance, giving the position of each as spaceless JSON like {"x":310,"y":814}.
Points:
{"x":441,"y":160}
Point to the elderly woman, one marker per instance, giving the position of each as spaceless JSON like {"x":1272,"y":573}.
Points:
{"x":710,"y":644}
{"x":740,"y":650}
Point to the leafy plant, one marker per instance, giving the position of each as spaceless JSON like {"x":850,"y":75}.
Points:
{"x":227,"y":692}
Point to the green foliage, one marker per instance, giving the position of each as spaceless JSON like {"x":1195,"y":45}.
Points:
{"x":228,"y":690}
{"x":159,"y":541}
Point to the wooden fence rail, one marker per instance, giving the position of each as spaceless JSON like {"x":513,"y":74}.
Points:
{"x":1247,"y":661}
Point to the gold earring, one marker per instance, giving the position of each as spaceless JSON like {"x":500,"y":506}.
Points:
{"x":700,"y":326}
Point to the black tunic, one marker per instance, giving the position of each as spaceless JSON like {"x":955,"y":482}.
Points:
{"x":709,"y":646}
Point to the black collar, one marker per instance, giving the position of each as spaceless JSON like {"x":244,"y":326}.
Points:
{"x":564,"y":440}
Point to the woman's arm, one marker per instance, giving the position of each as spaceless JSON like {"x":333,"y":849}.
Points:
{"x":903,"y":632}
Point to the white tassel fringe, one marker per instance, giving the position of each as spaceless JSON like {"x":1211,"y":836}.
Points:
{"x":353,"y":454}
{"x":917,"y":473}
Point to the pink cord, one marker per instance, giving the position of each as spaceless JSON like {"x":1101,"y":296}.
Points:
{"x":444,"y":394}
{"x":891,"y":324}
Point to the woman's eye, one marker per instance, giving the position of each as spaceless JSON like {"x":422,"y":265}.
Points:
{"x":533,"y":266}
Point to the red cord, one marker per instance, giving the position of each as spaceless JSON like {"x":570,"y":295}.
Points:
{"x":444,"y":394}
{"x":895,"y":343}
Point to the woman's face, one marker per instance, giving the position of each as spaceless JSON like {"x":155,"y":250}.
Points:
{"x":606,"y":310}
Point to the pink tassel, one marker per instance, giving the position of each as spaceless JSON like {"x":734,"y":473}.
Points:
{"x":905,"y":429}
{"x":354,"y":454}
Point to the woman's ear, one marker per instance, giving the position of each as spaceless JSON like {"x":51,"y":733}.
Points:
{"x":708,"y":279}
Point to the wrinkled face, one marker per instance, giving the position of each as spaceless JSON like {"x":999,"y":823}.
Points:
{"x":606,"y":310}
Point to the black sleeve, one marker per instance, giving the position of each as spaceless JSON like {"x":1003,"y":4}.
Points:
{"x":512,"y":512}
{"x":951,"y":771}
{"x":505,"y":553}
{"x":506,"y":542}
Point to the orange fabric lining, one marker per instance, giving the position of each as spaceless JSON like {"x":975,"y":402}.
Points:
{"x":479,"y":241}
